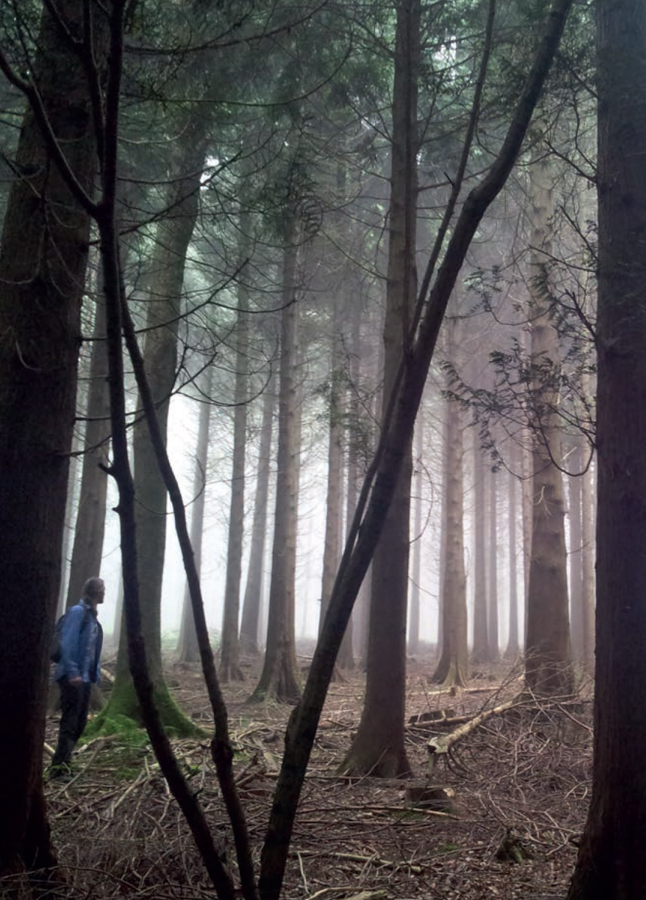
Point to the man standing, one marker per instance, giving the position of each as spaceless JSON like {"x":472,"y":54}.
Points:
{"x":77,"y":670}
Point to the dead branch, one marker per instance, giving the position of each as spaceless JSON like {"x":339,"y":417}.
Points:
{"x":439,"y":746}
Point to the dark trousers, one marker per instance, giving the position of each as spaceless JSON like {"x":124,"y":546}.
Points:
{"x":75,"y":702}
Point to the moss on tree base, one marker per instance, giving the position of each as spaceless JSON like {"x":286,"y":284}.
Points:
{"x":122,"y":711}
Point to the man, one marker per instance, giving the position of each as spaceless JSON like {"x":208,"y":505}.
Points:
{"x":77,"y":670}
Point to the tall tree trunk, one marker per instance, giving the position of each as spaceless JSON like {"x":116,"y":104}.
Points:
{"x":612,"y":862}
{"x":356,"y":439}
{"x":43,"y":260}
{"x":452,"y":668}
{"x":90,"y":520}
{"x":378,"y":747}
{"x":230,"y":656}
{"x":333,"y":505}
{"x":163,"y":307}
{"x":492,"y":568}
{"x":187,"y":646}
{"x":513,"y":639}
{"x":547,"y":652}
{"x":253,"y":590}
{"x":279,"y":678}
{"x":416,"y":568}
{"x":587,"y":565}
{"x":575,"y":490}
{"x":481,"y":652}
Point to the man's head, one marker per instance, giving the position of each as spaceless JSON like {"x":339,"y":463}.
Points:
{"x":94,"y":591}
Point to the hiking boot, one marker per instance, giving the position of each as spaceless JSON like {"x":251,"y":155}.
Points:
{"x":61,"y":772}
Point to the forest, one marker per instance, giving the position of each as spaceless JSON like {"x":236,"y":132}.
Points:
{"x":321,"y":331}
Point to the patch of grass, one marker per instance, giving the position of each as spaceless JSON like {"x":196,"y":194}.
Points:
{"x":447,"y":848}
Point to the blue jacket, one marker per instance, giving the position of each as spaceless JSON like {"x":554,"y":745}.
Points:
{"x":81,"y":643}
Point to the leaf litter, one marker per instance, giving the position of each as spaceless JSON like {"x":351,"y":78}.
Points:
{"x":517,"y":788}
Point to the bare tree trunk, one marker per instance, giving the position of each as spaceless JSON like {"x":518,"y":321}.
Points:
{"x":378,"y":747}
{"x":90,"y":520}
{"x":279,"y":678}
{"x":547,"y":651}
{"x":172,"y":239}
{"x":452,"y":668}
{"x":333,"y":506}
{"x":229,"y":660}
{"x":359,"y":621}
{"x":253,"y":589}
{"x":513,"y":639}
{"x":575,"y":489}
{"x":187,"y":646}
{"x":492,"y":573}
{"x":416,"y":574}
{"x":481,"y":652}
{"x":587,"y":566}
{"x":43,"y":259}
{"x":612,"y":862}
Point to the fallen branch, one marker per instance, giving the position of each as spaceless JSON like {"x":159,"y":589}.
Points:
{"x":372,"y":860}
{"x":439,"y":746}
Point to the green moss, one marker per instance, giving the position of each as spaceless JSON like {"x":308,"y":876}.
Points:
{"x":122,"y":715}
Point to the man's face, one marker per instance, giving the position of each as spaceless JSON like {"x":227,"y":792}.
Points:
{"x":97,"y":595}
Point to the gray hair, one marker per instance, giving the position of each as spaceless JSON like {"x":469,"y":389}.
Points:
{"x":93,"y":587}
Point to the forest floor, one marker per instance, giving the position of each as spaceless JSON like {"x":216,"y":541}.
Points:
{"x":520,"y":781}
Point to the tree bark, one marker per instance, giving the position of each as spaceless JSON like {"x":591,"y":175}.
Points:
{"x":279,"y":678}
{"x":378,"y":747}
{"x":43,"y":260}
{"x":452,"y":668}
{"x":90,"y":520}
{"x":230,"y":652}
{"x":481,"y":652}
{"x":587,"y":566}
{"x":547,"y":651}
{"x":188,"y":650}
{"x":612,"y":863}
{"x":575,"y":486}
{"x":253,"y":590}
{"x":333,"y":516}
{"x":513,"y":639}
{"x":416,"y":567}
{"x":492,"y":568}
{"x":163,"y":307}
